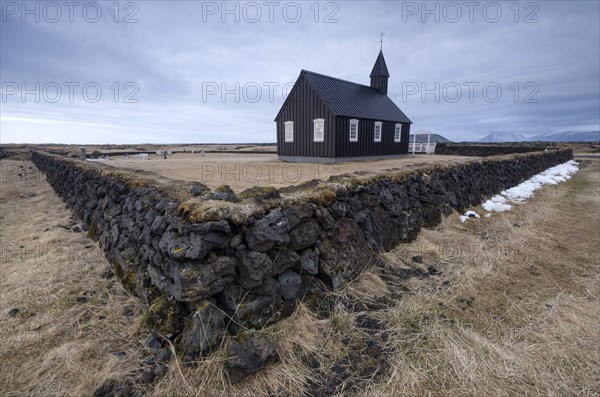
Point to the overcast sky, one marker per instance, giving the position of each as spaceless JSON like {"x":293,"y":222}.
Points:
{"x":191,"y":71}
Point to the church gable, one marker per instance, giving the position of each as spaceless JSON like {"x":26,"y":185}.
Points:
{"x":305,"y":123}
{"x":301,"y":90}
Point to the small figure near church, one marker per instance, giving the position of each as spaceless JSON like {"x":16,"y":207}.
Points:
{"x":325,"y":119}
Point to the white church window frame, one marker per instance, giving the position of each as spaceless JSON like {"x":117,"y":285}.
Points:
{"x":319,"y":130}
{"x":398,"y":133}
{"x":377,"y":131}
{"x":353,"y":130}
{"x":289,"y":131}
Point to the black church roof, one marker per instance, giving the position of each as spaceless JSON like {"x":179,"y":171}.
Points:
{"x":356,"y":100}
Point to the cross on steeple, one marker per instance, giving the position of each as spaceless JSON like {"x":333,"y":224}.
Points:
{"x":381,"y":41}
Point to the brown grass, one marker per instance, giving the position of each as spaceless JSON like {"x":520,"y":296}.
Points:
{"x":514,"y":310}
{"x":56,"y":346}
{"x":520,"y":315}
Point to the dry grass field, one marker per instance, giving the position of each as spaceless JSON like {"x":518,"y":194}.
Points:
{"x":242,"y":171}
{"x":582,"y":148}
{"x":502,"y":306}
{"x":71,"y":321}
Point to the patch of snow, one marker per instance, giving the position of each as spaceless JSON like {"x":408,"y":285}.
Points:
{"x":496,"y":204}
{"x":469,"y":214}
{"x":525,"y":190}
{"x":475,"y":214}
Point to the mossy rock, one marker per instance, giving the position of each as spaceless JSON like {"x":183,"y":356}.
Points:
{"x":323,"y":197}
{"x":222,"y":189}
{"x":431,"y":217}
{"x":91,"y":233}
{"x":186,"y":208}
{"x":118,"y":270}
{"x":140,"y":183}
{"x":259,"y":193}
{"x":210,"y":211}
{"x":129,"y":280}
{"x":164,"y":316}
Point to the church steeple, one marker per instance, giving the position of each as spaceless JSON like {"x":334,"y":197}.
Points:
{"x":379,"y":74}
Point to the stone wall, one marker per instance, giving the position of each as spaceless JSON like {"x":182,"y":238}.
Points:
{"x":489,"y":149}
{"x":6,"y":153}
{"x":206,"y":261}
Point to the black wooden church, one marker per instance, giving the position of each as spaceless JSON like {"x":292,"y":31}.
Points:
{"x":325,"y":119}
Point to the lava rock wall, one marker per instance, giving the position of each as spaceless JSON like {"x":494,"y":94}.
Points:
{"x":485,"y":150}
{"x":201,"y":280}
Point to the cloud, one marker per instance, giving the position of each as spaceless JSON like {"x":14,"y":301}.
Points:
{"x":547,"y":70}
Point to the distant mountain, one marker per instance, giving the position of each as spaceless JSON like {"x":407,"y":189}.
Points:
{"x":565,"y":136}
{"x":568,"y":136}
{"x":503,"y":137}
{"x":423,"y":138}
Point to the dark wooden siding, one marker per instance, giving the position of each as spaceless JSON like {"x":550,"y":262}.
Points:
{"x":303,"y":106}
{"x":380,"y":83}
{"x":366,"y":146}
{"x":405,"y":137}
